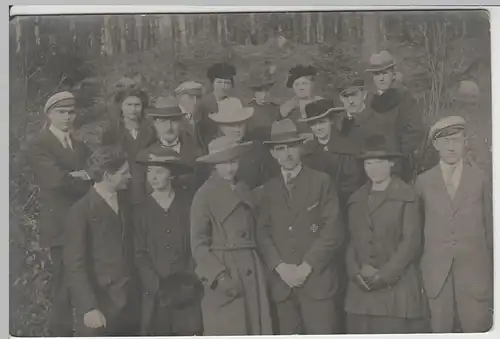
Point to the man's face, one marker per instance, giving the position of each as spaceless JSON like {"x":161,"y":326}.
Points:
{"x":119,"y":179}
{"x":188,"y":101}
{"x":167,"y":129}
{"x":236,"y":131}
{"x":159,"y":177}
{"x":62,"y":117}
{"x":222,"y":86}
{"x":303,"y":87}
{"x":353,"y":101}
{"x":288,"y":156}
{"x":378,"y":170}
{"x":262,"y":94}
{"x":322,"y":128}
{"x":451,"y":148}
{"x":131,"y":108}
{"x":384,"y":79}
{"x":227,"y":170}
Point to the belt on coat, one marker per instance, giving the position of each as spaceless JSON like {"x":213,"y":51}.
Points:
{"x":232,"y":247}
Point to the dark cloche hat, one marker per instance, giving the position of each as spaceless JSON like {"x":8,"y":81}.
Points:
{"x":377,"y":147}
{"x":299,"y":71}
{"x":157,"y":155}
{"x":319,"y":109}
{"x":221,"y":70}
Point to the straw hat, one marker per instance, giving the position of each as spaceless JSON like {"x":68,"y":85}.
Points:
{"x":231,"y":111}
{"x":224,"y":149}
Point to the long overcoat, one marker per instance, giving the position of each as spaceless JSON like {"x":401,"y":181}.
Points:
{"x":223,"y":240}
{"x":308,"y":227}
{"x":52,"y":163}
{"x":387,"y":236}
{"x":458,"y":231}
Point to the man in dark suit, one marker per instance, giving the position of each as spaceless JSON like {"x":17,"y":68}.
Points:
{"x":299,"y":230}
{"x":98,"y":252}
{"x":58,"y":160}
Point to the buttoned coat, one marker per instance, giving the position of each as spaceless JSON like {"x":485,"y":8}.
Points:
{"x":387,"y":236}
{"x":162,"y":249}
{"x":307,"y":227}
{"x":52,"y":163}
{"x":223,"y":240}
{"x":458,"y":231}
{"x":98,"y":258}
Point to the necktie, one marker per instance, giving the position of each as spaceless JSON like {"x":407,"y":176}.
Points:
{"x":289,"y":183}
{"x":67,"y":142}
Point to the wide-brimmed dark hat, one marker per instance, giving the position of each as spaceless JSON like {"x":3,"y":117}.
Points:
{"x":381,"y":61}
{"x":221,"y":70}
{"x":284,"y":132}
{"x":299,"y":71}
{"x":351,"y":86}
{"x":157,"y":155}
{"x":377,"y":147}
{"x":262,"y":77}
{"x":319,"y":109}
{"x":165,"y":108}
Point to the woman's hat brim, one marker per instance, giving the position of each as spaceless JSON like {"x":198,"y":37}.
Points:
{"x":245,"y":115}
{"x":379,"y":155}
{"x":226,"y":155}
{"x":285,"y":141}
{"x":321,"y":116}
{"x":176,"y":167}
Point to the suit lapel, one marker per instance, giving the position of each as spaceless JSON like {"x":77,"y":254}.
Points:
{"x":466,"y":182}
{"x":66,"y":156}
{"x":439,"y":186}
{"x":301,"y":192}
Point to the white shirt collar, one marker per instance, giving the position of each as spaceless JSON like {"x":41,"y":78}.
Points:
{"x":456,"y":169}
{"x":293,"y":172}
{"x":60,"y":135}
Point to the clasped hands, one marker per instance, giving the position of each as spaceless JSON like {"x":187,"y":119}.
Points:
{"x":294,"y":275}
{"x":369,"y":279}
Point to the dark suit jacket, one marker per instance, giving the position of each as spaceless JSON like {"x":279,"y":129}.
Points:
{"x":306,"y":228}
{"x":205,"y":128}
{"x":52,"y":163}
{"x":98,"y":256}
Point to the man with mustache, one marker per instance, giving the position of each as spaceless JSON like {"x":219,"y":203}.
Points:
{"x":299,"y":232}
{"x":58,"y":161}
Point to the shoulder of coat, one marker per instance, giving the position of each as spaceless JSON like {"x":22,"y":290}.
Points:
{"x":402,"y":191}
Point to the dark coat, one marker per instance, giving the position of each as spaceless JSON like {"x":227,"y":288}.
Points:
{"x":388,"y":237}
{"x":52,"y":163}
{"x":307,"y":228}
{"x":458,"y":231}
{"x":223,"y":240}
{"x":259,"y":126}
{"x":98,"y":257}
{"x":205,"y":128}
{"x":398,"y":116}
{"x":117,"y":134}
{"x":162,"y":250}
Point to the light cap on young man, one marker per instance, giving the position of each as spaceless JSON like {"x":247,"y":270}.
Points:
{"x":60,"y":99}
{"x":447,"y":126}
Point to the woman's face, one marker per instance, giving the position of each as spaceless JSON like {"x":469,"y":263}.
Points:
{"x":159,"y":177}
{"x":303,"y":87}
{"x":378,"y":170}
{"x":236,"y":131}
{"x":131,"y":108}
{"x":227,"y":170}
{"x":322,"y":128}
{"x":222,"y":86}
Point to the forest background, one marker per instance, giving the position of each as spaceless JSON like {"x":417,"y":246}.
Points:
{"x":443,"y":59}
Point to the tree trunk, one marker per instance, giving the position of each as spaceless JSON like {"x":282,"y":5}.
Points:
{"x":219,"y":28}
{"x":371,"y":28}
{"x":383,"y":30}
{"x":307,"y":26}
{"x":18,"y":34}
{"x":226,"y":30}
{"x":139,"y":31}
{"x":181,"y":19}
{"x":123,"y":34}
{"x":320,"y":28}
{"x":107,"y":41}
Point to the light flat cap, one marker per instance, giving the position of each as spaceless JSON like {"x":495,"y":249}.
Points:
{"x":60,"y":99}
{"x":190,"y":87}
{"x":447,"y":126}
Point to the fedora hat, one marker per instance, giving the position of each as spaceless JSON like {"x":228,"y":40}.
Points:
{"x":351,"y":86}
{"x":299,"y":71}
{"x":156,"y":155}
{"x":381,"y":61}
{"x":260,"y":78}
{"x":231,"y":111}
{"x":224,"y":149}
{"x":284,"y":132}
{"x":319,"y":109}
{"x":377,"y":147}
{"x":166,"y":108}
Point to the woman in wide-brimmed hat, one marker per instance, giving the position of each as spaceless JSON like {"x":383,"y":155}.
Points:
{"x":171,"y":292}
{"x":223,"y":217}
{"x":131,"y":129}
{"x":384,"y":294}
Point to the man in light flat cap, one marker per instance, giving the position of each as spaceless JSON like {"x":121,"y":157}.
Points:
{"x":456,"y":264}
{"x":398,"y":112}
{"x":188,"y":93}
{"x":58,"y":161}
{"x":299,"y":232}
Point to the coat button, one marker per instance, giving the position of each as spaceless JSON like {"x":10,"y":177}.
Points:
{"x":249,"y":273}
{"x":167,"y":247}
{"x":168,"y":231}
{"x":243,"y":234}
{"x":290,"y":228}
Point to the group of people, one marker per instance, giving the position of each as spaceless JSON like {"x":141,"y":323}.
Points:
{"x":199,"y":215}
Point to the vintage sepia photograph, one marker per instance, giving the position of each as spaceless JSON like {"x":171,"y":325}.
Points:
{"x":250,"y":173}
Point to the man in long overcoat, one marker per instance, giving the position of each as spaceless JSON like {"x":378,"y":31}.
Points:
{"x":300,"y":229}
{"x":58,"y":161}
{"x":456,"y":264}
{"x":98,"y":251}
{"x":399,"y":116}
